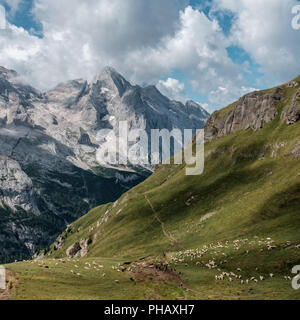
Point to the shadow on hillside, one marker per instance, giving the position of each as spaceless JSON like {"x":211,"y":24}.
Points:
{"x":282,"y":203}
{"x":210,"y":194}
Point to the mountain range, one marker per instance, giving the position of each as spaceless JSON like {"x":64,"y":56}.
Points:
{"x":48,"y":142}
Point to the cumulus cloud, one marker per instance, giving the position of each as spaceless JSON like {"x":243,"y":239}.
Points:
{"x":173,"y":89}
{"x":147,"y":40}
{"x":81,"y":37}
{"x":263,"y":29}
{"x":144,"y":40}
{"x":197,"y":47}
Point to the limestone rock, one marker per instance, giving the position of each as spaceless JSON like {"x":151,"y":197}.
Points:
{"x":73,"y":250}
{"x":78,"y":249}
{"x":253,"y":111}
{"x":292,"y":113}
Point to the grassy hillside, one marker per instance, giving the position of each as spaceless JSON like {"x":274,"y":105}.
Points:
{"x":238,"y":222}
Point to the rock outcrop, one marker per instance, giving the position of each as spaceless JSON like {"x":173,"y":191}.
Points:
{"x":292,"y":113}
{"x":16,"y":188}
{"x":78,"y":249}
{"x":254,"y":111}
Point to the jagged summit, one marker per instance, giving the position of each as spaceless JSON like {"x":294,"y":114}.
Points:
{"x":109,"y":78}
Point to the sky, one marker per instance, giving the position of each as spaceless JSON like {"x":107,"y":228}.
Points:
{"x":210,"y":51}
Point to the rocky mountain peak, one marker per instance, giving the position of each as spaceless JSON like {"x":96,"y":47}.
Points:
{"x":110,"y":79}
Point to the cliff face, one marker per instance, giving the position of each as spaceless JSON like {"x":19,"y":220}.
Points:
{"x":292,"y":113}
{"x":255,"y":110}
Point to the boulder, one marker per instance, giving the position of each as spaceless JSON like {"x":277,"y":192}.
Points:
{"x":73,"y":250}
{"x":78,"y":249}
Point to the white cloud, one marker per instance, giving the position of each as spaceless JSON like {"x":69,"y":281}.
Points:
{"x":147,"y":40}
{"x":263,"y":29}
{"x":173,"y":89}
{"x":197,"y":47}
{"x":223,"y":96}
{"x":143,"y":40}
{"x":81,"y":37}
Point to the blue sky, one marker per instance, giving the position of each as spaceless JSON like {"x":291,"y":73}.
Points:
{"x":23,"y":16}
{"x":198,"y":49}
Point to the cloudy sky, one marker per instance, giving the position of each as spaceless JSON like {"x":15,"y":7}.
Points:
{"x":212,"y":51}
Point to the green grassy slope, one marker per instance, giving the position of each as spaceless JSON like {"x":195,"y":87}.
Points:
{"x":239,"y":221}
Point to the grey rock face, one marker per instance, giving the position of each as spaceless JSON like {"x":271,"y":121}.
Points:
{"x":78,"y":249}
{"x":292,"y":113}
{"x":73,"y":250}
{"x":253,"y":111}
{"x":48,"y":145}
{"x":16,"y":188}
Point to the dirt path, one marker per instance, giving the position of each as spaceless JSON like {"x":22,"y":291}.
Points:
{"x":165,"y":232}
